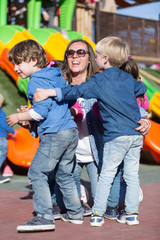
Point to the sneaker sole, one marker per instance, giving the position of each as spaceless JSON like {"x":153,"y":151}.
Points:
{"x":87,"y":214}
{"x":35,"y":228}
{"x":74,"y":221}
{"x":5,"y":180}
{"x":7,"y":175}
{"x":109,"y":217}
{"x":57,"y":217}
{"x":128,"y":222}
{"x":95,"y":224}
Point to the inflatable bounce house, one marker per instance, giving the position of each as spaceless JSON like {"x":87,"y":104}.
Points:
{"x":22,"y":147}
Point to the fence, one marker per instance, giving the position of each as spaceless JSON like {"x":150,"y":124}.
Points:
{"x":142,"y":35}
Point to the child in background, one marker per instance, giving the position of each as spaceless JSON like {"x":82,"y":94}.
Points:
{"x":131,"y":67}
{"x":116,"y":92}
{"x":58,"y":134}
{"x":4,"y":130}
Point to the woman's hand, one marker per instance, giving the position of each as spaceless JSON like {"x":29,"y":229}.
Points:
{"x":42,"y":94}
{"x":144,"y":127}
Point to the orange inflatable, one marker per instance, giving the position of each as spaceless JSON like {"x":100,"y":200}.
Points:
{"x":151,"y":141}
{"x":22,"y":147}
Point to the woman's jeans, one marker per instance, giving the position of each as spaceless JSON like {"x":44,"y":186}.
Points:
{"x":55,"y":150}
{"x":3,"y":150}
{"x":127,"y":149}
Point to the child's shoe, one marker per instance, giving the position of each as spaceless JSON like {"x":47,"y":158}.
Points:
{"x":111,"y":213}
{"x":7,"y":172}
{"x":96,"y":220}
{"x":129,"y":218}
{"x":140,"y":195}
{"x":56,"y":211}
{"x":4,"y":179}
{"x":66,"y":218}
{"x":86,"y":210}
{"x":37,"y":224}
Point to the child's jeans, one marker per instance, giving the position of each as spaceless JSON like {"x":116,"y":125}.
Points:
{"x":3,"y":150}
{"x":125,"y":148}
{"x":55,"y":149}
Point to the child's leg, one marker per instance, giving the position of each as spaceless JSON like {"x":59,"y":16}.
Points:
{"x":77,"y":174}
{"x":113,"y":155}
{"x":40,"y":172}
{"x":114,"y":195}
{"x":64,"y":176}
{"x":3,"y":150}
{"x":131,"y":177}
{"x":92,"y":170}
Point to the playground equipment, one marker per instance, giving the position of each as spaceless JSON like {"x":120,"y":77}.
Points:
{"x":20,"y":151}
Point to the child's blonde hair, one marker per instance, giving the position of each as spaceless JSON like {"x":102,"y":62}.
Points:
{"x":115,"y":49}
{"x":26,"y":51}
{"x":1,"y":100}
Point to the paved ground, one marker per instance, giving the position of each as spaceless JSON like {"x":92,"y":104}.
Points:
{"x":16,"y":208}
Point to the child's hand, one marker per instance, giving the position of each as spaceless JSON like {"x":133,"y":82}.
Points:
{"x":141,"y":79}
{"x":12,"y":119}
{"x":42,"y":94}
{"x":24,"y":124}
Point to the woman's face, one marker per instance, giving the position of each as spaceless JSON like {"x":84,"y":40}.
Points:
{"x":78,"y":64}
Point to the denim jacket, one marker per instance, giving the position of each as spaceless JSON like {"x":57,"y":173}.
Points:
{"x":95,"y":129}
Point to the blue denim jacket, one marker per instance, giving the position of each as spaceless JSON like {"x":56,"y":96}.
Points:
{"x":95,"y":129}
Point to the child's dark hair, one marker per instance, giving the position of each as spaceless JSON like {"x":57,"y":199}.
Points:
{"x":131,"y":67}
{"x":26,"y":51}
{"x":60,"y":64}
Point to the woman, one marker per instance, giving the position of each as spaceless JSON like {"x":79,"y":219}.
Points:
{"x":80,"y":59}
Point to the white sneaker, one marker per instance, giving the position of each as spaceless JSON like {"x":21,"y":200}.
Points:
{"x":140,"y":195}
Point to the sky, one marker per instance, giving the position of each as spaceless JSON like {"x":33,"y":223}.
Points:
{"x":148,"y":11}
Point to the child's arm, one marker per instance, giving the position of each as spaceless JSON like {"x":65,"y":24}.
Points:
{"x":25,"y":124}
{"x":96,"y":110}
{"x":16,"y":117}
{"x":42,"y":94}
{"x":140,"y":88}
{"x":76,"y":112}
{"x":145,"y":104}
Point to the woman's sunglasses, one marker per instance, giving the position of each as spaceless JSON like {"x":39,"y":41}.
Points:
{"x":80,"y":53}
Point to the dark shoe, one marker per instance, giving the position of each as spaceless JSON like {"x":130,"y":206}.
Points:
{"x":111,"y":213}
{"x":4,"y":179}
{"x":86,"y":210}
{"x":56,"y":211}
{"x":37,"y":224}
{"x":66,"y":218}
{"x":129,"y":218}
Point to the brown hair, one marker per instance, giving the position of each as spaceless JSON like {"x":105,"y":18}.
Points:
{"x":131,"y":67}
{"x":92,"y":66}
{"x":26,"y":51}
{"x":59,"y":64}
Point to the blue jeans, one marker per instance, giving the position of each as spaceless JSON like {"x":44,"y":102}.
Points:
{"x":3,"y":150}
{"x":55,"y":150}
{"x":118,"y":190}
{"x":92,"y":171}
{"x":127,"y":149}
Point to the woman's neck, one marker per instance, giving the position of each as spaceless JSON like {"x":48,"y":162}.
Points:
{"x":78,"y":79}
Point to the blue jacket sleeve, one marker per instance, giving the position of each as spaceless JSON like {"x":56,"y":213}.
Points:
{"x":86,"y":90}
{"x":42,"y":107}
{"x":140,"y":88}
